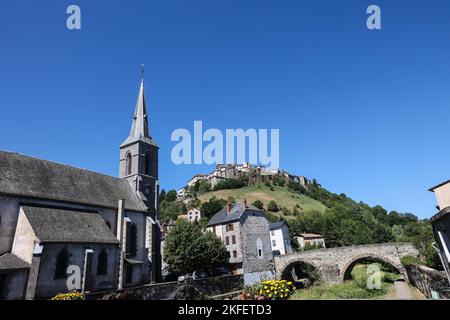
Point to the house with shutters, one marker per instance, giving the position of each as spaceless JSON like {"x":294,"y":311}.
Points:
{"x":58,"y":221}
{"x":245,"y":232}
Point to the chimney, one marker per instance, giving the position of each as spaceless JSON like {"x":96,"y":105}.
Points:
{"x":229,"y":207}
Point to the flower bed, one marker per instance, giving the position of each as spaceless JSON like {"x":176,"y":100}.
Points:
{"x":271,"y":290}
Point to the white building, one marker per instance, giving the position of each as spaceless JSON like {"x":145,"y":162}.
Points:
{"x":279,"y":238}
{"x":194,"y":215}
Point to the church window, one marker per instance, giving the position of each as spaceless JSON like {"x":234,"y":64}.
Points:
{"x":108,"y":224}
{"x":62,"y":262}
{"x":128,"y":163}
{"x":102,"y":265}
{"x":131,"y":245}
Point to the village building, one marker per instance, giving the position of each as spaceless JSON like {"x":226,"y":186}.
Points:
{"x":253,"y":174}
{"x":441,"y":223}
{"x":55,"y":218}
{"x":194,"y":215}
{"x":280,"y":238}
{"x":312,"y":240}
{"x":245,"y":232}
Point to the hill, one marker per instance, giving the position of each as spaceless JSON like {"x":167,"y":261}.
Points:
{"x":284,"y":197}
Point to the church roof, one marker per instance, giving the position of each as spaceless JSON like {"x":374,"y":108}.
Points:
{"x":237,"y":210}
{"x":8,"y":261}
{"x":66,"y":226}
{"x":29,"y":177}
{"x":139,"y":127}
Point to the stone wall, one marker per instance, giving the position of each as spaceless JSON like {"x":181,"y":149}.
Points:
{"x":191,"y":290}
{"x":429,"y":280}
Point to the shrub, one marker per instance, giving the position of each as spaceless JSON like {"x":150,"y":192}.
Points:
{"x":259,"y":204}
{"x":272,"y":206}
{"x":411,"y":260}
{"x":69,"y":296}
{"x":229,"y":184}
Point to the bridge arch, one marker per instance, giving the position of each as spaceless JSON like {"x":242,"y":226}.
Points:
{"x":302,"y":273}
{"x":345,"y":272}
{"x":333,"y":263}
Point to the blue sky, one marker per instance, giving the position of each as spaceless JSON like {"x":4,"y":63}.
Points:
{"x":364,"y":112}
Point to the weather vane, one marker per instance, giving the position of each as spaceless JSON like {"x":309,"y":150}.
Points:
{"x":142,"y":71}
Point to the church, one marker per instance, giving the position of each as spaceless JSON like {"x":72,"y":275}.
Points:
{"x":56,"y":220}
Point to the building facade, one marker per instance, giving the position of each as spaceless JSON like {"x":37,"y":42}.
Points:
{"x":245,"y":232}
{"x":280,"y":238}
{"x":441,"y":224}
{"x":312,"y":240}
{"x":57,"y":221}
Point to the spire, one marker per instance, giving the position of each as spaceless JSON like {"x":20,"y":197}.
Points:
{"x":139,"y":128}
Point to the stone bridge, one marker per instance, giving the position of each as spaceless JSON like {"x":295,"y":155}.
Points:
{"x":336,"y":264}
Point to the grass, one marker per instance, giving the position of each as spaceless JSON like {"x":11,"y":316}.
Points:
{"x":352,"y":289}
{"x":281,"y":195}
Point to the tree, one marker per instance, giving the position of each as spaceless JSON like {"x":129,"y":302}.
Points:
{"x":212,"y":206}
{"x":259,"y":204}
{"x":162,"y":195}
{"x":171,"y":196}
{"x":187,"y":249}
{"x":272,"y":206}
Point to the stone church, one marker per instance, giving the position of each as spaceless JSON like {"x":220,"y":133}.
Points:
{"x":57,"y":221}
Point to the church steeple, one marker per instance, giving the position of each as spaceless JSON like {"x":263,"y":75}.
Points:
{"x":139,"y":127}
{"x":139,"y":153}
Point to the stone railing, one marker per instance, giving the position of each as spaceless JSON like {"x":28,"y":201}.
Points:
{"x":432,"y":283}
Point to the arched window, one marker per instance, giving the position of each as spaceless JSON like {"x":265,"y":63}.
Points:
{"x":259,"y":249}
{"x":147,"y":163}
{"x":128,"y":163}
{"x":131,"y":239}
{"x":62,"y":262}
{"x":102,"y":264}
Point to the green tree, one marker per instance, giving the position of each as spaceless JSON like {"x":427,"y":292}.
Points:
{"x":171,"y":196}
{"x":259,"y":204}
{"x":187,"y":249}
{"x":212,"y":206}
{"x":162,"y":195}
{"x":272,"y":206}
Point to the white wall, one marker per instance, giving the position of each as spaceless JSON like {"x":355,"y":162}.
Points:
{"x":277,"y":236}
{"x":442,"y":194}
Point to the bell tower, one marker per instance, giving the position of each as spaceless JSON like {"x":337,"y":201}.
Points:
{"x":139,"y":155}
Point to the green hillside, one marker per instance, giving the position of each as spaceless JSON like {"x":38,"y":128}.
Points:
{"x":281,"y":195}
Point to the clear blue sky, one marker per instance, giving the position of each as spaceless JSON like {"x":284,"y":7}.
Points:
{"x":364,"y":112}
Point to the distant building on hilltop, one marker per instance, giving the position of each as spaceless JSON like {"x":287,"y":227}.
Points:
{"x":254,"y":175}
{"x":245,"y":232}
{"x":280,"y":238}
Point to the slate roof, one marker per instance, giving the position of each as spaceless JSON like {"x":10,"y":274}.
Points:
{"x":28,"y":177}
{"x":276,"y":225}
{"x":65,"y":226}
{"x":236,"y":213}
{"x":439,"y":185}
{"x":8,"y":261}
